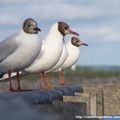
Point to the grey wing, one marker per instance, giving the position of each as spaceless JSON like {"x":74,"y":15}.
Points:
{"x":7,"y":47}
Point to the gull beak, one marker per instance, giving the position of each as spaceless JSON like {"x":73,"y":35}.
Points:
{"x":37,"y":29}
{"x":82,"y":43}
{"x":73,"y":32}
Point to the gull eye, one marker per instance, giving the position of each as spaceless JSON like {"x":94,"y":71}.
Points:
{"x":28,"y":25}
{"x":65,"y":27}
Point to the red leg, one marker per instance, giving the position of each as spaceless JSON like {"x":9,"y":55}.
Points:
{"x":61,"y":77}
{"x":48,"y":80}
{"x":44,"y":79}
{"x":19,"y":86}
{"x":18,"y":82}
{"x":45,"y":85}
{"x":10,"y":82}
{"x":39,"y":78}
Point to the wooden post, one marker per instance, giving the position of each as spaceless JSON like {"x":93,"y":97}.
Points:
{"x":93,"y":104}
{"x":80,"y":98}
{"x":92,"y":97}
{"x":87,"y":97}
{"x":100,"y":103}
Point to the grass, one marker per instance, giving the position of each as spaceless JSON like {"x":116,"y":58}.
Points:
{"x":90,"y":72}
{"x":85,"y":72}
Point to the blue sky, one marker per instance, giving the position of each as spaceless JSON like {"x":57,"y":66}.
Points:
{"x":97,"y":21}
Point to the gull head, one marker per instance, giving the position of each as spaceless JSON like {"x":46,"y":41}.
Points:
{"x":30,"y":26}
{"x":77,"y":42}
{"x":64,"y":29}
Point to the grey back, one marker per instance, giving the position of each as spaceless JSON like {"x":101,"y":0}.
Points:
{"x":7,"y":47}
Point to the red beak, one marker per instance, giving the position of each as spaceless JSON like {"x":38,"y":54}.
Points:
{"x":74,"y":33}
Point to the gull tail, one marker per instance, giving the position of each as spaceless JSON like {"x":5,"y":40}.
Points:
{"x":5,"y":76}
{"x":1,"y":75}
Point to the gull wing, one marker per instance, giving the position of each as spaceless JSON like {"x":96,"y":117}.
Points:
{"x":7,"y":47}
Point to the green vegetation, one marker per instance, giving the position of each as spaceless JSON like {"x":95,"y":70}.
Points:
{"x":84,"y":72}
{"x":93,"y":72}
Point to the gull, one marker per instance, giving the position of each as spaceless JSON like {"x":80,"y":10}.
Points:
{"x":59,"y":63}
{"x":19,"y":50}
{"x":73,"y":50}
{"x":51,"y":50}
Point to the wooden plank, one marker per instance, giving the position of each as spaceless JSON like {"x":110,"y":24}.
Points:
{"x":82,"y":94}
{"x":93,"y":105}
{"x":92,"y":98}
{"x":100,"y":103}
{"x":78,"y":99}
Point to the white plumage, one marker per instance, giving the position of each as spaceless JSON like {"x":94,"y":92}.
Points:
{"x":50,"y":52}
{"x":61,"y":60}
{"x":73,"y":55}
{"x":27,"y":47}
{"x":20,"y":50}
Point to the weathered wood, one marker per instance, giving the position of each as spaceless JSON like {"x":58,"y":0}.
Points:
{"x":93,"y":99}
{"x":79,"y":98}
{"x":100,"y":103}
{"x":82,"y":94}
{"x":86,"y":96}
{"x":93,"y":104}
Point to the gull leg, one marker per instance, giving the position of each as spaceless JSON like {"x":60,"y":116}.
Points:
{"x":10,"y":82}
{"x":39,"y":78}
{"x":45,"y":85}
{"x":61,"y":78}
{"x":18,"y":82}
{"x":19,"y":86}
{"x":48,"y":80}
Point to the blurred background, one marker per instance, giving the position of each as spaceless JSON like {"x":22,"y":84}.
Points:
{"x":97,"y":21}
